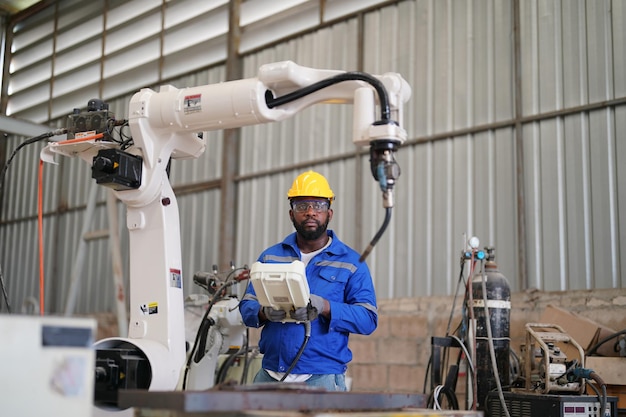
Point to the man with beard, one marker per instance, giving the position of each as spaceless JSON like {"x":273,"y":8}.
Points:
{"x":342,"y":296}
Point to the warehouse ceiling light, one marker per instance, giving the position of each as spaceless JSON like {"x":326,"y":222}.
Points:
{"x":15,"y":6}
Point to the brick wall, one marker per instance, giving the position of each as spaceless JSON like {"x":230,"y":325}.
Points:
{"x":395,"y":357}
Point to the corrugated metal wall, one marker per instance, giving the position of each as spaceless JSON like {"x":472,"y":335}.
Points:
{"x":517,"y":143}
{"x":572,"y":60}
{"x":460,"y":171}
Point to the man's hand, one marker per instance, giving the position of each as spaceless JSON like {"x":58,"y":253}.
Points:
{"x":311,"y":311}
{"x":318,"y":303}
{"x":301,"y":314}
{"x":274,"y":315}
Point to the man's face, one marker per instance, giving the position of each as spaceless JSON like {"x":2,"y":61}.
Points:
{"x":310,"y":216}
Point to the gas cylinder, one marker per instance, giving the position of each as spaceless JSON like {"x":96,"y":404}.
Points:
{"x":498,"y":299}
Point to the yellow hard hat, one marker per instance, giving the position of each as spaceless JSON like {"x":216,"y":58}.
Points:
{"x":310,"y":184}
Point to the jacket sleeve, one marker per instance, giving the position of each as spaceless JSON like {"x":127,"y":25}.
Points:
{"x":358,"y":313}
{"x":249,"y":308}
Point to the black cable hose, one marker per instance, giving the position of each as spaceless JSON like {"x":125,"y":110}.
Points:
{"x":203,"y":331}
{"x":385,"y":111}
{"x":449,"y":395}
{"x":246,"y":344}
{"x":307,"y":336}
{"x":272,"y":101}
{"x":595,"y":347}
{"x":428,"y":365}
{"x":221,"y":373}
{"x":216,"y":297}
{"x":244,"y":350}
{"x":254,"y":352}
{"x":446,"y":390}
{"x":4,"y":291}
{"x":20,"y":146}
{"x":426,"y":375}
{"x":603,"y":399}
{"x":380,"y":232}
{"x":296,"y":359}
{"x":456,"y":294}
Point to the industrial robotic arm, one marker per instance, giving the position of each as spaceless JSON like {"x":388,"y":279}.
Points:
{"x":165,"y":125}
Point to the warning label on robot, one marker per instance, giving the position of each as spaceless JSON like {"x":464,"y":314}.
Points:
{"x":175,"y":278}
{"x":80,"y":135}
{"x":152,"y":308}
{"x":192,"y":104}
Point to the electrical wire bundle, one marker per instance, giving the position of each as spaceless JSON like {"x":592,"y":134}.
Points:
{"x":27,"y":142}
{"x":447,"y":390}
{"x":115,"y":131}
{"x":198,"y":349}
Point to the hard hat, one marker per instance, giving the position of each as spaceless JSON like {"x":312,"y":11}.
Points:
{"x":310,"y":184}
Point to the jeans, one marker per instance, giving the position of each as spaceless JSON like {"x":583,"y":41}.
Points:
{"x":331,"y":382}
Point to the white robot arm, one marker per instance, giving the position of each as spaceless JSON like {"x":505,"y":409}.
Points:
{"x":165,"y":125}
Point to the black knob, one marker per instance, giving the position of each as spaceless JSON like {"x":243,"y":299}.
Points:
{"x":103,"y":164}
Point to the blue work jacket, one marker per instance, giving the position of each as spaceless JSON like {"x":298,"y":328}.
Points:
{"x":336,"y":275}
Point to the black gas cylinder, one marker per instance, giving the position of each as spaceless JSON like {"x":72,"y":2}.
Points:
{"x":498,"y":300}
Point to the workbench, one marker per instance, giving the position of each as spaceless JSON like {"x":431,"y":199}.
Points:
{"x":285,"y":400}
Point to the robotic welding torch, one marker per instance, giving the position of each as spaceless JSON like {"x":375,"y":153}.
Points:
{"x":383,"y":142}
